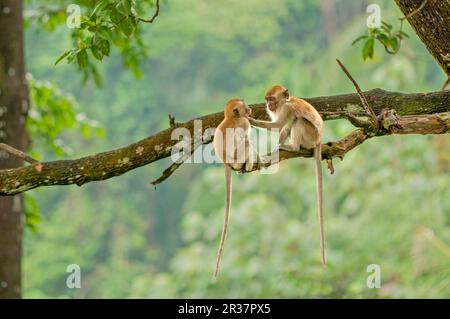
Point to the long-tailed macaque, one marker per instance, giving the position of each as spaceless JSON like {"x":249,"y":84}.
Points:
{"x":300,"y":121}
{"x":232,"y":146}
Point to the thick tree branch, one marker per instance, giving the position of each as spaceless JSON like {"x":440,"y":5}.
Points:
{"x":430,"y":20}
{"x":117,"y":162}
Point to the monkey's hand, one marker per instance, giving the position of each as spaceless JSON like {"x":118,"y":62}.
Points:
{"x":252,"y":121}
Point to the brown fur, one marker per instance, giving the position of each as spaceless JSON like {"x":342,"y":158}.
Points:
{"x":300,"y":121}
{"x":235,"y":154}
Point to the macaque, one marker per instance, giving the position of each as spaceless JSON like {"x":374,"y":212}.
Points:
{"x":300,"y":121}
{"x":232,"y":146}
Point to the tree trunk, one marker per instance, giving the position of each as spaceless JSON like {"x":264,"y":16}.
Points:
{"x":431,"y":23}
{"x":13,"y":110}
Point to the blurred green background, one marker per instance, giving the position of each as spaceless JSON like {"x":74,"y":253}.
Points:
{"x":388,"y":202}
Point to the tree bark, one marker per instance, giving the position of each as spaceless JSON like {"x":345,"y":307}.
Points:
{"x":431,"y":23}
{"x":13,"y":109}
{"x":113,"y":163}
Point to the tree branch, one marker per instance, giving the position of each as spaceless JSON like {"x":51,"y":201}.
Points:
{"x":154,"y":15}
{"x":365,"y":104}
{"x":389,"y":122}
{"x":158,"y":146}
{"x":430,"y":20}
{"x":19,"y":154}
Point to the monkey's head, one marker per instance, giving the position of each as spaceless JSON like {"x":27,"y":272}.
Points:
{"x":276,"y":96}
{"x":237,"y":108}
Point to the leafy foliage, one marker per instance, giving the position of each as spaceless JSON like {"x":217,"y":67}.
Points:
{"x":105,"y":24}
{"x":391,"y":40}
{"x":52,"y":112}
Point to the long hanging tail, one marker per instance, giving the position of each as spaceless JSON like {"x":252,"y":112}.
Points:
{"x":319,"y":190}
{"x":226,"y":217}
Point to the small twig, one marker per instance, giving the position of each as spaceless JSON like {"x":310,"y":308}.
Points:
{"x":363,"y":99}
{"x":17,"y":153}
{"x":154,"y":16}
{"x":172,"y":168}
{"x":168,"y":172}
{"x":330,"y":166}
{"x":172,"y":122}
{"x":415,"y":11}
{"x":356,"y":121}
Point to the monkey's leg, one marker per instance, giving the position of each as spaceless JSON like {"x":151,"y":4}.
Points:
{"x":285,"y":132}
{"x":251,"y":156}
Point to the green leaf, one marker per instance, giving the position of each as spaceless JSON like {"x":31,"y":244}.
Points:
{"x":124,"y":7}
{"x":368,"y":49}
{"x":100,"y":6}
{"x":64,"y":55}
{"x":104,"y":47}
{"x":404,"y":34}
{"x":115,"y":16}
{"x":374,"y":31}
{"x":32,"y":213}
{"x":82,"y":58}
{"x":383,"y":39}
{"x":386,"y":26}
{"x":96,"y":52}
{"x":100,"y":48}
{"x":105,"y":33}
{"x":359,"y":39}
{"x":394,"y":44}
{"x":127,"y":27}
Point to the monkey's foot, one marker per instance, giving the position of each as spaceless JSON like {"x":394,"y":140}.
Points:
{"x":287,"y":148}
{"x":248,"y":167}
{"x":265,"y":161}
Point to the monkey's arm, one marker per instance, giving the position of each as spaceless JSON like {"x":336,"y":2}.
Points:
{"x":285,"y":132}
{"x":264,"y":124}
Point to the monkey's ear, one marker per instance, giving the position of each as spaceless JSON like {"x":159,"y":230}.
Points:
{"x":236,"y":111}
{"x":286,"y":94}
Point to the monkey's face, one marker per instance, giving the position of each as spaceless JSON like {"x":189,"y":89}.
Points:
{"x":276,"y":97}
{"x":243,"y":109}
{"x":237,"y":108}
{"x":271,"y":103}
